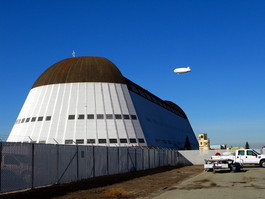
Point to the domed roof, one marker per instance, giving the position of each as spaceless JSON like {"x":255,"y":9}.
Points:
{"x":81,"y":69}
{"x":172,"y":104}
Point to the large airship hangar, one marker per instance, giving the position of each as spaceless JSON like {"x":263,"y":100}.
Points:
{"x":87,"y":101}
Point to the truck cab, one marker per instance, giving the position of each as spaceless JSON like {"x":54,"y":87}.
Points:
{"x":249,"y":156}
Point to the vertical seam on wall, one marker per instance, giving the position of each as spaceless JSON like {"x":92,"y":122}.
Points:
{"x":121,"y":114}
{"x":140,"y":125}
{"x":95,"y":114}
{"x":113,"y":113}
{"x":67,"y":111}
{"x":104,"y":110}
{"x":25,"y":132}
{"x":60,"y":115}
{"x":36,"y":122}
{"x":44,"y":115}
{"x":53,"y":111}
{"x":27,"y":127}
{"x":24,"y":135}
{"x":50,"y":123}
{"x":85,"y":142}
{"x":136,"y":135}
{"x":76,"y":103}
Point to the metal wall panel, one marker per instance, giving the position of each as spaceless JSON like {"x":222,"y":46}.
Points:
{"x":113,"y":160}
{"x":100,"y":157}
{"x":45,"y":164}
{"x":145,"y":159}
{"x":157,"y":158}
{"x":152,"y":158}
{"x":85,"y":162}
{"x":27,"y":165}
{"x":67,"y":164}
{"x":16,"y":166}
{"x":123,"y":160}
{"x":139,"y":159}
{"x":131,"y":160}
{"x":162,"y":154}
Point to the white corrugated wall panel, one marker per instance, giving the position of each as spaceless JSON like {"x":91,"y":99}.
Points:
{"x":81,"y":109}
{"x":47,"y":107}
{"x":90,"y":98}
{"x":130,"y":129}
{"x":122,"y":101}
{"x":25,"y":129}
{"x":61,"y":100}
{"x":121,"y":129}
{"x":128,"y":99}
{"x":114,"y":98}
{"x":101,"y":129}
{"x":112,"y":132}
{"x":99,"y":99}
{"x":138,"y":129}
{"x":61,"y":113}
{"x":106,"y":98}
{"x":39,"y":113}
{"x":54,"y":102}
{"x":70,"y":109}
{"x":91,"y":129}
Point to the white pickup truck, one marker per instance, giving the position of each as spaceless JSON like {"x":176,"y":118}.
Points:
{"x":235,"y":160}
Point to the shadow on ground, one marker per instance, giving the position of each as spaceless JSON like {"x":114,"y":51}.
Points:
{"x":63,"y":189}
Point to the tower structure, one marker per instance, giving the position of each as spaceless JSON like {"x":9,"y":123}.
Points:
{"x":204,"y":142}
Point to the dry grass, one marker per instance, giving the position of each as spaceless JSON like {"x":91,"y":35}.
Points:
{"x":116,"y":193}
{"x":133,"y":185}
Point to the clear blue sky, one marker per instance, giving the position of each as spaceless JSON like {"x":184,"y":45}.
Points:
{"x":222,"y":40}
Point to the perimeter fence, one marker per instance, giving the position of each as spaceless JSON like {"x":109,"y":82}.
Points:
{"x":30,"y":165}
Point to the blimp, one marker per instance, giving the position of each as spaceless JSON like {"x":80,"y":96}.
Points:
{"x":182,"y":70}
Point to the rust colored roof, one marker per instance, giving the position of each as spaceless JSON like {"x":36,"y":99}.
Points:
{"x":81,"y":69}
{"x":172,"y":104}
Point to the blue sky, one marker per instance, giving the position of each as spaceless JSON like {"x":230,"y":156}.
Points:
{"x":223,"y":41}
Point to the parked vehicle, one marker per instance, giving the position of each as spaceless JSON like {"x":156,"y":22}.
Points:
{"x":18,"y":165}
{"x":234,"y":160}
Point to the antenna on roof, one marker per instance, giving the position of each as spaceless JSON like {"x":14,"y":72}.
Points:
{"x":73,"y":53}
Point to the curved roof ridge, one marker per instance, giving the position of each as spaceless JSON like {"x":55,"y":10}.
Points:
{"x":81,"y":69}
{"x":172,"y":104}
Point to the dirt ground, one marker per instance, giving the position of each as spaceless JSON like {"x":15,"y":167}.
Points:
{"x":142,"y":184}
{"x":247,"y":184}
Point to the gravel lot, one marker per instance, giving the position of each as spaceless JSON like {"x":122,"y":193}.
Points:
{"x":248,"y":184}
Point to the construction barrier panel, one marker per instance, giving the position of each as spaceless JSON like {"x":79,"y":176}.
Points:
{"x":31,"y":165}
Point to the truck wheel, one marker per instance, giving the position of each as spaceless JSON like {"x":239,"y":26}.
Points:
{"x":262,"y":163}
{"x":233,"y":168}
{"x":238,"y":167}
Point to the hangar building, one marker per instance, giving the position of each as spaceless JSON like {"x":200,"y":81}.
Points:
{"x":86,"y":100}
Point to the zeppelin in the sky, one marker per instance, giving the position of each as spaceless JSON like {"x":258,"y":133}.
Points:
{"x":182,"y":70}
